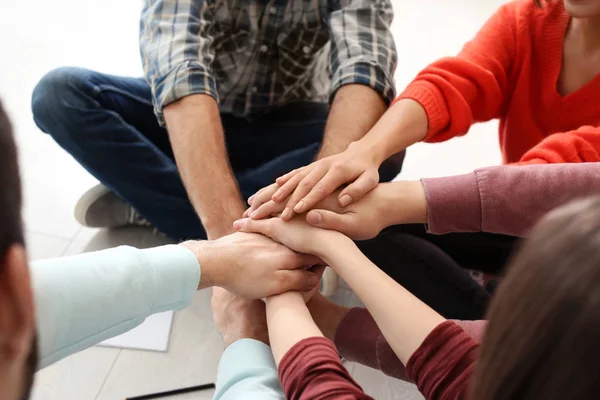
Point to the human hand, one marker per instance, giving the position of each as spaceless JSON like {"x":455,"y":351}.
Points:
{"x":359,"y":221}
{"x":253,"y":266}
{"x":237,"y":318}
{"x":306,"y":186}
{"x":295,"y":234}
{"x":388,"y":204}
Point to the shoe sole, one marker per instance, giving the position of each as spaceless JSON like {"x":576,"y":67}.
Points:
{"x":85,"y":202}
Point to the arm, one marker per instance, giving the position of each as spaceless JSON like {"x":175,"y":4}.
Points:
{"x":578,"y":146}
{"x":363,"y":60}
{"x":198,"y":143}
{"x":85,"y":299}
{"x":442,"y":102}
{"x":309,"y":365}
{"x":177,"y":54}
{"x":507,"y":199}
{"x":409,"y":325}
{"x":237,"y":378}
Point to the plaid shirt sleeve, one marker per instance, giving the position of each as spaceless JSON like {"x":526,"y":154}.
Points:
{"x":176,"y":50}
{"x":362,"y":47}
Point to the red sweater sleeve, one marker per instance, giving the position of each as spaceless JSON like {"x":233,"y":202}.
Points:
{"x":312,"y":370}
{"x":578,"y":146}
{"x":359,"y":339}
{"x":443,"y":365}
{"x":471,"y":87}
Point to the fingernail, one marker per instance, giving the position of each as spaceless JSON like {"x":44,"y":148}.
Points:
{"x":251,"y":198}
{"x":312,"y":281}
{"x":237,"y":224}
{"x":299,"y":207}
{"x":345,"y":200}
{"x":314,"y":218}
{"x":253,"y":214}
{"x":276,"y":196}
{"x":286,"y":213}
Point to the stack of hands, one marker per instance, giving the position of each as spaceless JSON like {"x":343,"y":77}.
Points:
{"x":294,"y":227}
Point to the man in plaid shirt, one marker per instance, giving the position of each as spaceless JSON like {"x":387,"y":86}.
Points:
{"x":236,"y":93}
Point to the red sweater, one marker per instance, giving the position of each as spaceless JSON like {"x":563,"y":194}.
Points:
{"x":510,"y":71}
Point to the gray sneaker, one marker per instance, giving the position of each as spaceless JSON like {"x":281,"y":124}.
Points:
{"x":99,"y":207}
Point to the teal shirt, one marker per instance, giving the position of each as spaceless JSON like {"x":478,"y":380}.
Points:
{"x":85,"y":299}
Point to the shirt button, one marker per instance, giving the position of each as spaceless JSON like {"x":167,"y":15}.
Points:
{"x":306,"y":49}
{"x":264,"y":48}
{"x":273,"y":10}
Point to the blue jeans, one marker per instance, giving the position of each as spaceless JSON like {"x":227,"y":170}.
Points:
{"x":107,"y":124}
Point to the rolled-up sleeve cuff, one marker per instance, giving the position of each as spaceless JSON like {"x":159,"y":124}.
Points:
{"x":365,"y":73}
{"x":431,"y":99}
{"x":188,"y":78}
{"x":453,"y":204}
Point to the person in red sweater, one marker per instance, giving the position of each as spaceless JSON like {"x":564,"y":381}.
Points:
{"x":532,"y":66}
{"x":541,"y":338}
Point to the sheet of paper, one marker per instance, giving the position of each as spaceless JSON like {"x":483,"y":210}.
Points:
{"x":152,"y":335}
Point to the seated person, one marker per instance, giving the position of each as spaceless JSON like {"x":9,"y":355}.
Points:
{"x":531,"y":66}
{"x":55,"y":308}
{"x":544,"y":312}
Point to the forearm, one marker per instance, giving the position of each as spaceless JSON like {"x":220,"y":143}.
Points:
{"x":198,"y":142}
{"x":404,"y":124}
{"x":355,"y":110}
{"x":289,"y":322}
{"x":84,"y":299}
{"x":404,"y":320}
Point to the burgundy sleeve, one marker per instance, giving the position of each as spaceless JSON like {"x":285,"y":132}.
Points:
{"x":507,"y":199}
{"x":359,"y":339}
{"x":443,"y":365}
{"x":312,"y":370}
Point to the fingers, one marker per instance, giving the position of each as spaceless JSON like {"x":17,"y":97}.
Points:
{"x":295,"y":203}
{"x":268,"y":209}
{"x":287,"y":188}
{"x":304,"y":260}
{"x":262,"y":196}
{"x":359,"y":188}
{"x":284,"y":178}
{"x":325,"y":219}
{"x":300,"y":280}
{"x":248,"y":225}
{"x":319,"y":189}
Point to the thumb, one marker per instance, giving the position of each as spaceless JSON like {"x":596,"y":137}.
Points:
{"x":359,"y":188}
{"x":253,"y":226}
{"x":331,"y":220}
{"x":299,"y":280}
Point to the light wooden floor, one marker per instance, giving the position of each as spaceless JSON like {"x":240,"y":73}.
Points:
{"x":102,"y":35}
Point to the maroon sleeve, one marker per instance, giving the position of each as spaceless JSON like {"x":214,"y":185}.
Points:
{"x":359,"y":339}
{"x":507,"y":199}
{"x":312,"y":370}
{"x":443,"y":365}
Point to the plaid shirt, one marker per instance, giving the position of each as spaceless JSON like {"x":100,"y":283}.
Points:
{"x":254,"y":55}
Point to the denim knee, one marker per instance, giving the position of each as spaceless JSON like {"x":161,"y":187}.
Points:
{"x":59,"y":96}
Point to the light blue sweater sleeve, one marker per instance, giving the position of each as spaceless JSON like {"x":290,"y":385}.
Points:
{"x":247,"y":371}
{"x":85,"y":299}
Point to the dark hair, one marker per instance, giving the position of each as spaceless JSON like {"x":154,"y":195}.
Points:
{"x":544,"y":322}
{"x":11,"y":227}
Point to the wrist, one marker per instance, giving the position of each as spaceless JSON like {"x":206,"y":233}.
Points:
{"x":404,"y":202}
{"x":338,"y":244}
{"x":211,"y":272}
